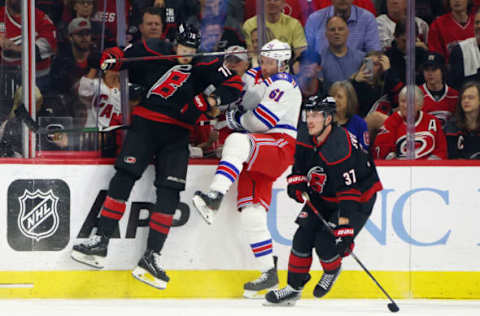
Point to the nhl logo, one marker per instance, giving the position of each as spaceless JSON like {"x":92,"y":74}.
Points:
{"x":38,"y":217}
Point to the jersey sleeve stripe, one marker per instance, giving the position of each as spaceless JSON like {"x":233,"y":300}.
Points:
{"x":261,"y":119}
{"x":263,"y":107}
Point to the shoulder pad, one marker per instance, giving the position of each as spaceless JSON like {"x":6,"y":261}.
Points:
{"x":337,"y":147}
{"x":159,"y":46}
{"x":282,"y":76}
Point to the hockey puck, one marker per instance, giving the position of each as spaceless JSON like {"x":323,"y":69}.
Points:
{"x":393,"y":307}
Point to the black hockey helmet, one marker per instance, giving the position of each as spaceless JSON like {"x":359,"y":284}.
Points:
{"x":317,"y":103}
{"x":188,"y":36}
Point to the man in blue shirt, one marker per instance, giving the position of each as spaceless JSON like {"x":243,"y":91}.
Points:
{"x":339,"y":61}
{"x":361,"y":23}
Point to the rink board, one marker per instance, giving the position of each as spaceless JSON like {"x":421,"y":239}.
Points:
{"x":421,"y":241}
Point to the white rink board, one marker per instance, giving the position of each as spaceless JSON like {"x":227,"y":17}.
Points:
{"x":426,"y":219}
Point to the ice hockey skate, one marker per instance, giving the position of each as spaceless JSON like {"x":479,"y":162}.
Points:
{"x":267,"y":281}
{"x":207,"y":204}
{"x":150,"y":272}
{"x":288,"y":296}
{"x":326,"y":282}
{"x":92,"y":252}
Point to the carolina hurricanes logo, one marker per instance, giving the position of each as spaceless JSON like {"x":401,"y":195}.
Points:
{"x":317,"y":179}
{"x":424,"y":145}
{"x":443,"y":116}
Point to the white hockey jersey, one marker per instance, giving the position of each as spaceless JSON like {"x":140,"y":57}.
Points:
{"x":109,"y":110}
{"x":272,"y":105}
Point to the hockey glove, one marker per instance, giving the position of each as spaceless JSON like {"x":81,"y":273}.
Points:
{"x":344,"y":239}
{"x":297,"y":184}
{"x":109,"y":58}
{"x":233,"y":119}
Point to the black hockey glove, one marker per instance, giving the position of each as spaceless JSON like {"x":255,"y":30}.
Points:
{"x":297,"y":184}
{"x":344,"y":239}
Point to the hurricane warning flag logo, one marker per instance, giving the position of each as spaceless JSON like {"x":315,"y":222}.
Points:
{"x":38,"y":217}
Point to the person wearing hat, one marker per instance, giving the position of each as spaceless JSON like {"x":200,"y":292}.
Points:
{"x":440,"y":99}
{"x":72,"y":61}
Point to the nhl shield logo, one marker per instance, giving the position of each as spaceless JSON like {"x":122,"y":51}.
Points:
{"x":38,"y":217}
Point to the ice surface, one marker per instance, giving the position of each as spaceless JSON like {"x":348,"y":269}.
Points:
{"x":233,"y":307}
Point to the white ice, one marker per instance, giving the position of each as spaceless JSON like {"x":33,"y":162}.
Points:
{"x":233,"y":307}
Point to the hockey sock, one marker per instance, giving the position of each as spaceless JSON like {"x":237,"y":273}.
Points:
{"x":236,"y":151}
{"x":254,"y":225}
{"x":160,"y":224}
{"x":298,"y":268}
{"x":112,"y":212}
{"x":331,"y":264}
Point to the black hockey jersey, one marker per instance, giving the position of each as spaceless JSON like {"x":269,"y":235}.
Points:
{"x":340,"y":172}
{"x":173,"y":90}
{"x":462,"y":144}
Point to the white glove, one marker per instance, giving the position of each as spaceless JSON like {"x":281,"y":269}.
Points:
{"x":233,"y":119}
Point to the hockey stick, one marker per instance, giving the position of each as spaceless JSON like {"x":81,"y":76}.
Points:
{"x":392,"y":306}
{"x":107,"y":129}
{"x":24,"y":116}
{"x":149,"y":58}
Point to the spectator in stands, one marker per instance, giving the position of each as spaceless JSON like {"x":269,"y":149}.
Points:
{"x":283,"y":27}
{"x":463,"y":130}
{"x":347,"y":104}
{"x":429,"y":139}
{"x":361,"y":24}
{"x":11,"y":41}
{"x":449,"y":29}
{"x":52,"y":8}
{"x":301,"y":9}
{"x":396,"y":77}
{"x":152,"y":24}
{"x":440,"y":100}
{"x":339,"y":61}
{"x":176,"y":12}
{"x":427,"y":10}
{"x":216,"y":37}
{"x":86,"y":9}
{"x":465,"y":58}
{"x":306,"y":70}
{"x":397,"y":11}
{"x":369,"y":83}
{"x":72,"y":61}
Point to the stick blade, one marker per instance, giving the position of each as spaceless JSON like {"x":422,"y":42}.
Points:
{"x":393,"y":307}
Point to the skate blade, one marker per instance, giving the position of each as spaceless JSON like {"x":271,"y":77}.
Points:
{"x":250,"y":294}
{"x":202,"y":209}
{"x":146,"y":277}
{"x":286,"y":303}
{"x":90,"y":260}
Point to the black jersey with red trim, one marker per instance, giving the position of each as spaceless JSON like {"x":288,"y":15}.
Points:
{"x":461,"y":144}
{"x":340,"y":172}
{"x":174,"y":91}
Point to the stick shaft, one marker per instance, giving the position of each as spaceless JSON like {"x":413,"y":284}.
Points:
{"x":207,"y":54}
{"x":314,"y":209}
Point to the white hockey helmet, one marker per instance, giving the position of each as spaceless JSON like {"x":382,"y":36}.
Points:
{"x":278,"y":50}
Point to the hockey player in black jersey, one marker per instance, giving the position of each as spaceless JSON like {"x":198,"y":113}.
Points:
{"x":341,"y":181}
{"x":178,"y":91}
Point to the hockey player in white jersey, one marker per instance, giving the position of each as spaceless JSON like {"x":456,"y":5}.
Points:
{"x":256,"y":154}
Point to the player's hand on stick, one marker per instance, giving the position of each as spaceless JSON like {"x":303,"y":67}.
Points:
{"x":344,"y":239}
{"x":110,"y":59}
{"x":297,"y":186}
